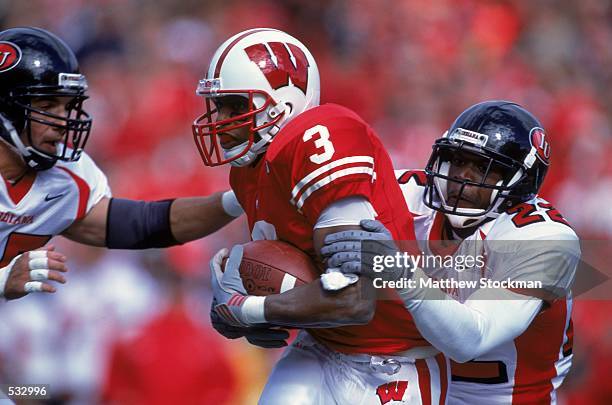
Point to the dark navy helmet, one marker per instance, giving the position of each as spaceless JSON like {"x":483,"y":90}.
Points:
{"x":35,"y":63}
{"x":509,"y":140}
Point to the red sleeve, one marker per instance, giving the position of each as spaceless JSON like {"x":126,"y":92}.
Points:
{"x":330,"y":159}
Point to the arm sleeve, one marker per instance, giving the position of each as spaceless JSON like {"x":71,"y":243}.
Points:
{"x":348,"y":211}
{"x":465,"y":331}
{"x":491,"y":316}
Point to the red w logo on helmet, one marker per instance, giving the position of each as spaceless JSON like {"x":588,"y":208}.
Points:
{"x":294,"y":66}
{"x":541,"y":145}
{"x":393,"y":391}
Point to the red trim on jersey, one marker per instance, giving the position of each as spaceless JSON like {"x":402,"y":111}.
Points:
{"x":424,"y":381}
{"x":442,"y":246}
{"x":419,"y":177}
{"x":443,"y":377}
{"x":533,"y":375}
{"x":84,"y":192}
{"x":229,"y":47}
{"x":435,"y":233}
{"x":19,"y":190}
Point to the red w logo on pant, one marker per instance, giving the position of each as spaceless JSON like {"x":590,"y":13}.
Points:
{"x":393,"y":391}
{"x":286,"y":66}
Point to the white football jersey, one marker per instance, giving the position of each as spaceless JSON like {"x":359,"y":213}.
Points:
{"x":43,"y":204}
{"x":514,"y":246}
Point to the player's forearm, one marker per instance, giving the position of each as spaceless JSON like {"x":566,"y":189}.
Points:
{"x":466,"y":331}
{"x":195,"y":217}
{"x":311,"y":306}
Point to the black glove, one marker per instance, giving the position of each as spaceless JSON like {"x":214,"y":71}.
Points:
{"x":262,"y":336}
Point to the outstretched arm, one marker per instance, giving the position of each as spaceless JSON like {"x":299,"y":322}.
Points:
{"x":129,"y":224}
{"x":195,"y":217}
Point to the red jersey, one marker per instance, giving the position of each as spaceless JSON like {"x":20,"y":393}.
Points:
{"x":325,"y":154}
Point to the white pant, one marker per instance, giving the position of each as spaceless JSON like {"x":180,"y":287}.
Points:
{"x":309,"y":373}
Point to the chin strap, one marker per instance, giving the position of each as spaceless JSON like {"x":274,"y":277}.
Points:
{"x":260,"y":146}
{"x":33,"y":158}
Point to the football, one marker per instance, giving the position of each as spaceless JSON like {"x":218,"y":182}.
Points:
{"x":273,"y":267}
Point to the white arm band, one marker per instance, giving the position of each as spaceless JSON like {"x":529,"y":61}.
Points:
{"x":465,"y":331}
{"x":230,"y":204}
{"x":253,"y":310}
{"x":347,"y":211}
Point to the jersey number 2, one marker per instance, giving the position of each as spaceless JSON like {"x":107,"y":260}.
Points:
{"x":322,"y":141}
{"x":525,"y":214}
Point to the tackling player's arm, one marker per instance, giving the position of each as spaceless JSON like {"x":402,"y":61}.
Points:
{"x":492,"y":316}
{"x":129,"y":224}
{"x":464,"y":331}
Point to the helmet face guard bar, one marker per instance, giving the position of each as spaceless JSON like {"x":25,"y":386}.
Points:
{"x":443,"y":150}
{"x":207,"y":128}
{"x":75,"y":125}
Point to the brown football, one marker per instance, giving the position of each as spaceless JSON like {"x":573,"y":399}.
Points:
{"x":272,"y":267}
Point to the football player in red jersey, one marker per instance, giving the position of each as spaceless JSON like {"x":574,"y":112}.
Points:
{"x":510,"y":345}
{"x":52,"y":187}
{"x":302,"y":170}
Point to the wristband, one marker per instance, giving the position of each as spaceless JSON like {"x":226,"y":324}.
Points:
{"x":230,"y":204}
{"x":5,"y":272}
{"x":253,"y":310}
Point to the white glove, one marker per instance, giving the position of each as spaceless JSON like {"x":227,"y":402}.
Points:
{"x":234,"y":305}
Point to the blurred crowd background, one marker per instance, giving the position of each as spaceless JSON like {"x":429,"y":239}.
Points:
{"x":133,"y":327}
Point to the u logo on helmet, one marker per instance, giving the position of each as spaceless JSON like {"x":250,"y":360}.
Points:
{"x":294,"y":66}
{"x":537,"y":137}
{"x":10,"y":55}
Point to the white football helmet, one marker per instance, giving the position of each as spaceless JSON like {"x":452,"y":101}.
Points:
{"x":275,"y":72}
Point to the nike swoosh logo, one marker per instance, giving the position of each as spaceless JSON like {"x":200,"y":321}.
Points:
{"x":50,"y":198}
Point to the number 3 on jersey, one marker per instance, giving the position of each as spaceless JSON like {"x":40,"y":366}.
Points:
{"x":320,"y":134}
